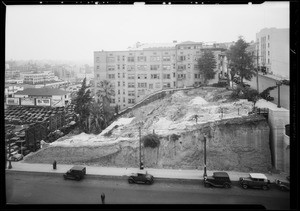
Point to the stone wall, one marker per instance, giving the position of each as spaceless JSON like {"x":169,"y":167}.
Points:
{"x":240,"y":144}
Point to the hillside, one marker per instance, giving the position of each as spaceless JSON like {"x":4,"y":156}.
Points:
{"x":235,"y":140}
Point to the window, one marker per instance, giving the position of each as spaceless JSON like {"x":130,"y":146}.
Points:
{"x":141,"y":67}
{"x":119,"y":91}
{"x":123,"y":99}
{"x":268,"y":61}
{"x":97,"y":59}
{"x":123,"y":83}
{"x":166,"y":76}
{"x":123,"y":75}
{"x":154,"y":58}
{"x":157,"y":85}
{"x":131,"y":76}
{"x":181,"y":76}
{"x":142,"y":76}
{"x":174,"y":75}
{"x":268,"y":37}
{"x":118,"y":75}
{"x":123,"y":66}
{"x":130,"y":85}
{"x":110,"y":68}
{"x":130,"y":68}
{"x":268,"y":53}
{"x":113,"y":100}
{"x":98,"y":76}
{"x":150,"y":86}
{"x":131,"y":93}
{"x":111,"y":76}
{"x":181,"y":58}
{"x":130,"y":59}
{"x":154,"y":67}
{"x":166,"y":67}
{"x":141,"y":92}
{"x":131,"y":101}
{"x":123,"y":91}
{"x":167,"y":85}
{"x":166,"y":58}
{"x":110,"y":59}
{"x":98,"y":67}
{"x":154,"y":76}
{"x":182,"y":67}
{"x":119,"y":83}
{"x":118,"y":66}
{"x":118,"y":58}
{"x":268,"y":45}
{"x":142,"y":85}
{"x":141,"y":58}
{"x":197,"y":75}
{"x":196,"y":67}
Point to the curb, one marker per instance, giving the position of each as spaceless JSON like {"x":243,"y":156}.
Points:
{"x":124,"y":177}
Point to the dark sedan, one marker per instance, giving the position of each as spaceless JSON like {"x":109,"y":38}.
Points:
{"x":141,"y":178}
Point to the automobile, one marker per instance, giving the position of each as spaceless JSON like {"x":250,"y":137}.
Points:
{"x":218,"y":179}
{"x":284,"y":186}
{"x":255,"y":180}
{"x":288,"y":178}
{"x":75,"y":173}
{"x":141,"y":178}
{"x":16,"y":157}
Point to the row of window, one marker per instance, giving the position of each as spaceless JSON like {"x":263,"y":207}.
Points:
{"x":153,"y":67}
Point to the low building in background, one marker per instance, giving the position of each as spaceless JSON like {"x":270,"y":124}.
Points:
{"x":40,"y":97}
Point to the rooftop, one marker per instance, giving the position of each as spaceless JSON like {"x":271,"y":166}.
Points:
{"x":42,"y":92}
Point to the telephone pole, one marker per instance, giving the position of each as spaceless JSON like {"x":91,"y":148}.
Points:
{"x":257,"y":70}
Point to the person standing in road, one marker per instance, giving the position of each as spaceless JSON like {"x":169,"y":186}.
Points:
{"x":103,"y":198}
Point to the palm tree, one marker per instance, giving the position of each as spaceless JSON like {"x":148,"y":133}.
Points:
{"x":105,"y":93}
{"x":96,"y":117}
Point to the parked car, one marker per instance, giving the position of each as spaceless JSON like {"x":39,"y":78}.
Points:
{"x":143,"y":178}
{"x":218,"y":179}
{"x":284,"y":186}
{"x":288,"y":178}
{"x":75,"y":173}
{"x":255,"y":180}
{"x":16,"y":157}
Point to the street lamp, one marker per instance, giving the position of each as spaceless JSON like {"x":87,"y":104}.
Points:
{"x":140,"y":140}
{"x":278,"y":84}
{"x":204,"y":173}
{"x":9,"y":157}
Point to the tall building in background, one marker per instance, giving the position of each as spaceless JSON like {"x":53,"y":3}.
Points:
{"x":273,"y":51}
{"x":147,"y":68}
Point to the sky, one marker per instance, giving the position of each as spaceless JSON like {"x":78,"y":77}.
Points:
{"x":74,"y":32}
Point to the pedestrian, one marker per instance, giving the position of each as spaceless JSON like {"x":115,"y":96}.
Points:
{"x":103,"y":198}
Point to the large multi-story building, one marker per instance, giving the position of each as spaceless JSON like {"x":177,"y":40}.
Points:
{"x":147,"y":68}
{"x":37,"y":77}
{"x":273,"y":51}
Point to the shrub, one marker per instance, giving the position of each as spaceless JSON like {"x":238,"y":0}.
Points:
{"x":219,"y":84}
{"x":245,"y":93}
{"x":151,"y":140}
{"x":174,"y":137}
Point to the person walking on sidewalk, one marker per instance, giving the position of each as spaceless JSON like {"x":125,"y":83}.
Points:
{"x":103,"y":198}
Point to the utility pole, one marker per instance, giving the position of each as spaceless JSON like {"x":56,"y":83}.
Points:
{"x":279,"y":83}
{"x":257,"y":70}
{"x":141,"y":167}
{"x":204,"y":173}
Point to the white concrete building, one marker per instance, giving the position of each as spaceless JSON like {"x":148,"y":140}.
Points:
{"x":273,"y":51}
{"x":147,"y":68}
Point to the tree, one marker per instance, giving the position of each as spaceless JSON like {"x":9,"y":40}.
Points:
{"x":82,"y":105}
{"x":240,"y":62}
{"x":96,"y":118}
{"x":207,"y":64}
{"x":105,"y":93}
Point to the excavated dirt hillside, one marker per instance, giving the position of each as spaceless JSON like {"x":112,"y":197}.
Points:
{"x":235,"y":140}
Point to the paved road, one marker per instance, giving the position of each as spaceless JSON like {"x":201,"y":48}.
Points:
{"x":28,"y":188}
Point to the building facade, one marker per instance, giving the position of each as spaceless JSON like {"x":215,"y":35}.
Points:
{"x":37,"y":78}
{"x":40,"y":97}
{"x":273,"y":51}
{"x":148,"y":68}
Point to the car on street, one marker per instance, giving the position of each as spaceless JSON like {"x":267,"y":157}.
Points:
{"x":284,"y":186}
{"x":255,"y":180}
{"x":16,"y":157}
{"x":218,"y":179}
{"x":75,"y":173}
{"x":141,"y":178}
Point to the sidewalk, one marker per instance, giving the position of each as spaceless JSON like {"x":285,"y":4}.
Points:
{"x":115,"y":171}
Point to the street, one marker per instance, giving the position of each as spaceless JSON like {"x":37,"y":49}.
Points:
{"x":28,"y":188}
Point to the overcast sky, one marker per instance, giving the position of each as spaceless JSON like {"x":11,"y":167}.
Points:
{"x":67,"y":32}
